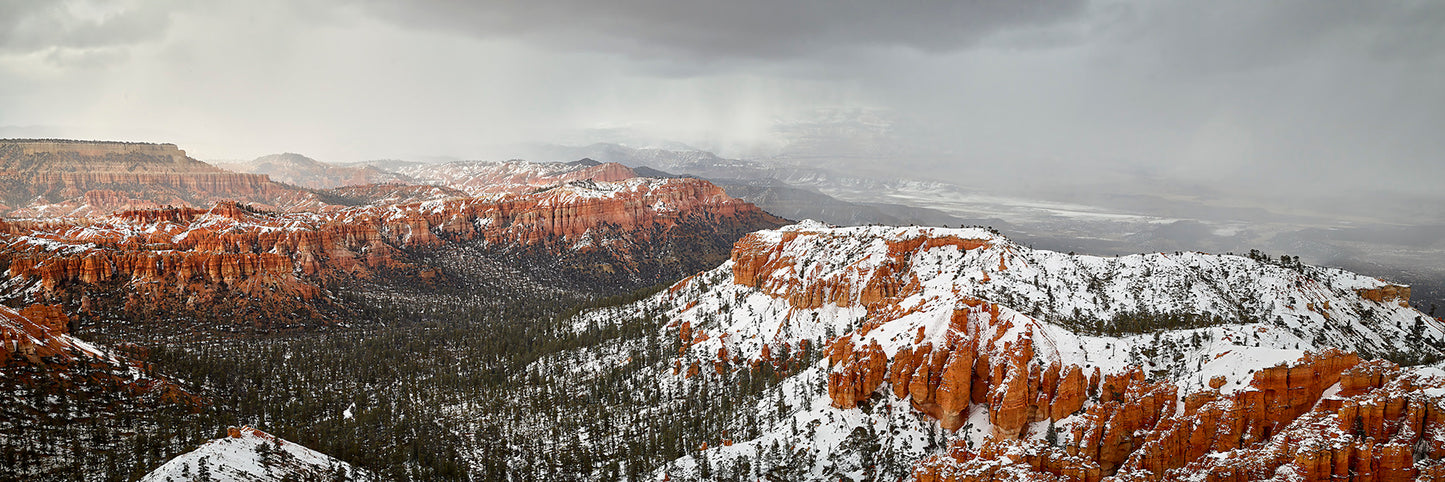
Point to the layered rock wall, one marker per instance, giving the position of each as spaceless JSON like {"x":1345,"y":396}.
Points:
{"x":758,"y":262}
{"x":50,"y":178}
{"x":97,"y":148}
{"x":273,"y":264}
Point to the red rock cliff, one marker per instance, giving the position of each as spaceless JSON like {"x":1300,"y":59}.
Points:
{"x":271,"y":264}
{"x":1378,"y":429}
{"x":55,"y":178}
{"x":37,"y":350}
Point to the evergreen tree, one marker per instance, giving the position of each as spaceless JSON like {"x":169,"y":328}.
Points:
{"x":203,"y":470}
{"x":704,"y":466}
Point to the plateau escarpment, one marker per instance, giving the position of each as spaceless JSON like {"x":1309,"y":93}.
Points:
{"x":56,"y":178}
{"x":237,"y":265}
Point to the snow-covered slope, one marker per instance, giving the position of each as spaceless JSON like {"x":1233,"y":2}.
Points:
{"x":989,"y":341}
{"x":483,"y":178}
{"x":247,"y":454}
{"x":808,"y":280}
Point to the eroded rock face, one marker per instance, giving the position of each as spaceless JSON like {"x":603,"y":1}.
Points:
{"x":1377,"y":430}
{"x":49,"y":178}
{"x":36,"y":349}
{"x":1386,"y":293}
{"x":762,"y":263}
{"x":943,"y":379}
{"x":859,"y":373}
{"x":254,"y":266}
{"x":34,"y":333}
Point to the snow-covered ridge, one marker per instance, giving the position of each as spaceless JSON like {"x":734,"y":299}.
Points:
{"x":483,"y":178}
{"x":1307,"y":305}
{"x":1204,"y":322}
{"x":247,"y":454}
{"x":1189,"y":315}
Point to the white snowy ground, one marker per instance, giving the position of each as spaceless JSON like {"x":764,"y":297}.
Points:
{"x":255,"y":456}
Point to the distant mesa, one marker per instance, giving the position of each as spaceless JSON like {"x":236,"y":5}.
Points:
{"x":299,"y":170}
{"x":49,"y":178}
{"x":96,"y":148}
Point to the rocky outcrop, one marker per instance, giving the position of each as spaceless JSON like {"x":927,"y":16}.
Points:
{"x":37,"y":351}
{"x":1385,"y":427}
{"x":859,"y":373}
{"x":942,"y":376}
{"x":1386,"y":293}
{"x":246,"y":453}
{"x":259,"y":267}
{"x":35,"y":333}
{"x":769,"y":264}
{"x":1388,"y":433}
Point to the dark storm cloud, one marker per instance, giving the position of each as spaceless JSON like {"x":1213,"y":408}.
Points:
{"x":28,"y":26}
{"x":766,"y":29}
{"x":1241,"y":98}
{"x":1205,"y":38}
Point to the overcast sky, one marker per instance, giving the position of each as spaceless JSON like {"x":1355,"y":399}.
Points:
{"x":1330,"y":96}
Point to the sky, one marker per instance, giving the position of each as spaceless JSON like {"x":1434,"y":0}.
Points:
{"x":1279,"y":98}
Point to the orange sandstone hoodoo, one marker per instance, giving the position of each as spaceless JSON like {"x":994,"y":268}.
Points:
{"x":920,"y":322}
{"x":260,"y":265}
